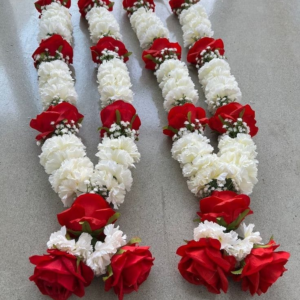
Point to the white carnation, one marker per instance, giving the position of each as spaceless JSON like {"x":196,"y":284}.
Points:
{"x":71,"y":178}
{"x":55,"y":19}
{"x":195,"y":24}
{"x":169,"y":65}
{"x":121,"y":157}
{"x":215,"y":231}
{"x":54,"y":69}
{"x":59,"y":148}
{"x":147,"y":26}
{"x":59,"y":241}
{"x":121,"y":143}
{"x":118,"y":172}
{"x":114,"y":82}
{"x":248,"y":234}
{"x":101,"y":257}
{"x":101,"y":23}
{"x":61,"y":90}
{"x":240,"y":249}
{"x":83,"y":247}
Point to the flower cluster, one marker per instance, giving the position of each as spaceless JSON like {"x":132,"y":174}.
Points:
{"x":178,"y":6}
{"x":147,"y":26}
{"x":89,"y":244}
{"x":131,"y":6}
{"x":42,"y":4}
{"x":221,"y":214}
{"x":225,"y":179}
{"x":109,"y":48}
{"x":55,"y":19}
{"x":86,"y":5}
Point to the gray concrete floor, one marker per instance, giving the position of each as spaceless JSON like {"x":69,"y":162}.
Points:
{"x":262,"y":46}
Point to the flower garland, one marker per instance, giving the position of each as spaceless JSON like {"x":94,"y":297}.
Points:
{"x":88,"y":243}
{"x":223,"y":180}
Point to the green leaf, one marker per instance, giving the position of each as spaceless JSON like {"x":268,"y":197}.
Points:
{"x":78,"y":262}
{"x":118,"y":116}
{"x":257,"y":246}
{"x":197,"y":220}
{"x":127,"y":54}
{"x":120,"y":251}
{"x":39,"y":7}
{"x":86,"y":227}
{"x":242,"y":113}
{"x":135,"y":240}
{"x":150,"y":57}
{"x":221,"y":119}
{"x":60,"y":48}
{"x":111,"y":4}
{"x":103,"y":128}
{"x":239,"y":219}
{"x":110,"y":273}
{"x":76,"y":233}
{"x":189,"y":116}
{"x":238,"y":272}
{"x":222,"y":222}
{"x":186,"y":241}
{"x":174,"y":130}
{"x":113,"y":218}
{"x":132,"y":120}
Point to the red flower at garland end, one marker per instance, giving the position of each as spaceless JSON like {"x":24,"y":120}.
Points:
{"x":196,"y":52}
{"x":62,"y":114}
{"x":183,"y":116}
{"x":59,"y":275}
{"x":121,"y":114}
{"x":157,"y":53}
{"x":263,"y":266}
{"x":55,"y":47}
{"x":129,"y":269}
{"x":39,"y":4}
{"x":177,"y":5}
{"x":132,"y":5}
{"x":234,"y":115}
{"x":86,"y":5}
{"x":203,"y":263}
{"x":226,"y":208}
{"x":99,"y":51}
{"x":89,"y":211}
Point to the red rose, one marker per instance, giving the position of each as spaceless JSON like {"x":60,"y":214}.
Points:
{"x":154,"y":53}
{"x":40,"y":3}
{"x":128,"y":5}
{"x":48,"y":48}
{"x":233,"y":208}
{"x":262,"y":268}
{"x":202,"y":263}
{"x":180,"y":114}
{"x":117,"y":112}
{"x":109,"y":43}
{"x":202,"y":44}
{"x":86,"y":5}
{"x":59,"y":276}
{"x":233,"y":111}
{"x":129,"y":269}
{"x":46,"y":122}
{"x":90,"y":208}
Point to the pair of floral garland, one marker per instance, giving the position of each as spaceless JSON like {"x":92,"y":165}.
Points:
{"x":88,"y":243}
{"x":223,"y":180}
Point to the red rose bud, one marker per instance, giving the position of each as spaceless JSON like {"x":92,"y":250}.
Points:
{"x":86,"y":5}
{"x":263,"y":266}
{"x":205,"y":50}
{"x":185,"y":116}
{"x":161,"y":50}
{"x":202,"y":263}
{"x":59,"y":275}
{"x":234,"y":118}
{"x":120,"y":118}
{"x":100,"y":52}
{"x":56,"y":119}
{"x":130,"y":267}
{"x":225,"y":208}
{"x":178,"y":6}
{"x":133,"y":5}
{"x":89,"y":211}
{"x":39,"y":4}
{"x":55,"y":47}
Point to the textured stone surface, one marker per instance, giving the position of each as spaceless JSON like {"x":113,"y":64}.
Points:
{"x":262,"y":47}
